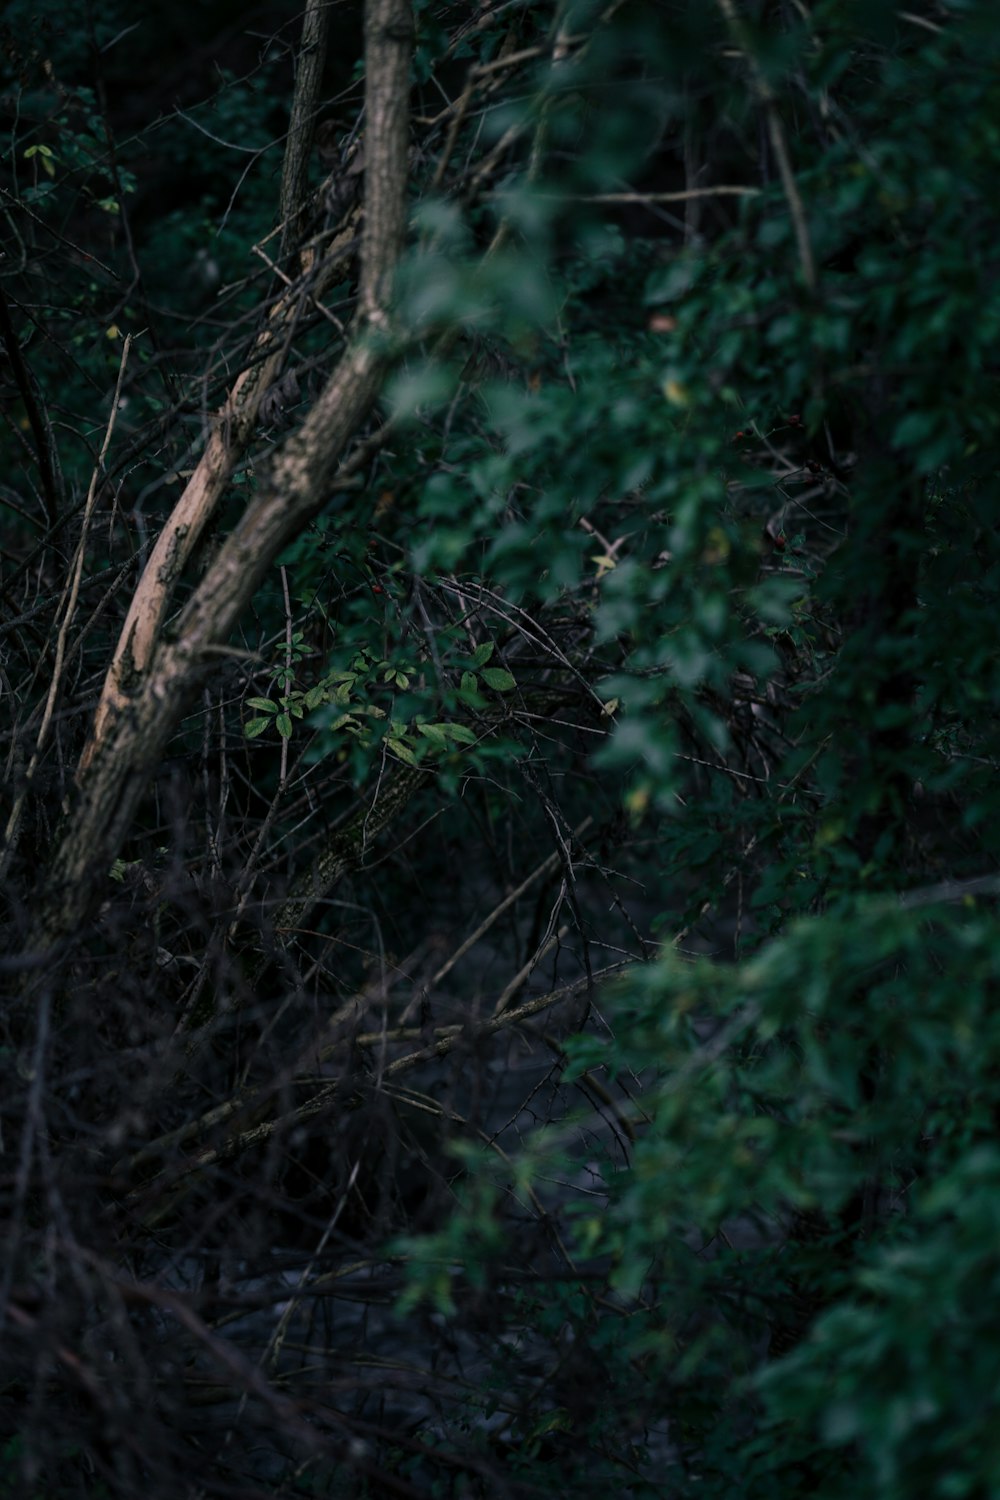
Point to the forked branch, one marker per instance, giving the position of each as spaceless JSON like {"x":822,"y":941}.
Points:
{"x":137,"y":724}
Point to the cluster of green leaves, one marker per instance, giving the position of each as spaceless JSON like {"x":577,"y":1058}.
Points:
{"x":343,"y":702}
{"x":805,"y":1238}
{"x":847,"y":1073}
{"x":78,"y":157}
{"x":778,"y":1187}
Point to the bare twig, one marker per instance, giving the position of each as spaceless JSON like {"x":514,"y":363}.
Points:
{"x":46,"y":452}
{"x":69,"y":609}
{"x":778,"y":142}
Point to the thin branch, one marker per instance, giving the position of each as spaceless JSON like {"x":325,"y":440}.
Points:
{"x":776,"y":132}
{"x":528,"y":968}
{"x":724,"y":190}
{"x":546,"y":867}
{"x":951,"y":890}
{"x":45,"y":449}
{"x":73,"y":593}
{"x":184,"y":1177}
{"x":907,"y":15}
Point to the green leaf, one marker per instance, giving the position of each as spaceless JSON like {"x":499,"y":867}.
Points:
{"x":266,"y":705}
{"x":913,"y":429}
{"x":482,"y":653}
{"x":283,"y":724}
{"x":673,"y":281}
{"x":470,"y":682}
{"x":460,"y":733}
{"x":422,"y":387}
{"x":436,"y":733}
{"x":46,"y":155}
{"x":498,"y":679}
{"x":254,"y":727}
{"x":402,"y":751}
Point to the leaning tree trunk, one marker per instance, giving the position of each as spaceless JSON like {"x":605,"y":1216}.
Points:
{"x":142,"y":705}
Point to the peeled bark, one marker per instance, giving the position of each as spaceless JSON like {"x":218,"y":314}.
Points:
{"x":233,"y":426}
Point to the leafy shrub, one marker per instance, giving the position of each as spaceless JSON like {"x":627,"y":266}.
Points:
{"x":528,"y":1018}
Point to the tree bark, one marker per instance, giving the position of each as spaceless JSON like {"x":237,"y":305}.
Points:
{"x":145,"y":704}
{"x":302,"y":125}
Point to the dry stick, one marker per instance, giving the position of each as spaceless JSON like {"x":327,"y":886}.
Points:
{"x":510,"y":60}
{"x":144,"y":619}
{"x":461,"y":109}
{"x":396,"y":1034}
{"x":245,"y":1139}
{"x":73,"y":592}
{"x":551,"y":863}
{"x":907,"y":15}
{"x":244,"y":884}
{"x":587,"y":1081}
{"x":722,"y":191}
{"x":525,"y":972}
{"x":277,"y":1338}
{"x":316,"y":1052}
{"x":499,"y":1023}
{"x":324,"y":1049}
{"x":272,"y":1352}
{"x":776,"y":132}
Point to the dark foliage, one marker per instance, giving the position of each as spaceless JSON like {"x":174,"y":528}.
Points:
{"x":538,"y":1032}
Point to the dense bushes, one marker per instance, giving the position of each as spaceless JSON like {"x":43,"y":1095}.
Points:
{"x":509,"y":1005}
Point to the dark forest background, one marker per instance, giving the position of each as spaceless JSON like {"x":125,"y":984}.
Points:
{"x":499,"y":579}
